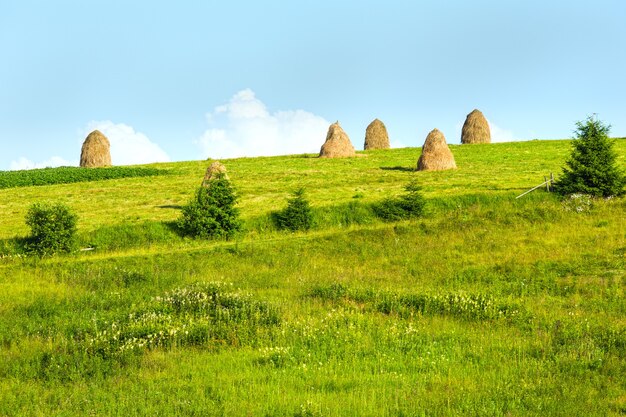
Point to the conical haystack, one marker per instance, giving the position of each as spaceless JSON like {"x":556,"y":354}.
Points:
{"x":436,"y":155}
{"x":476,"y":128}
{"x":96,"y":151}
{"x":337,"y":143}
{"x":376,"y":136}
{"x":213,"y":171}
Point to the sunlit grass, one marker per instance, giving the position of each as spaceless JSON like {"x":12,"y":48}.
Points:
{"x":350,"y":337}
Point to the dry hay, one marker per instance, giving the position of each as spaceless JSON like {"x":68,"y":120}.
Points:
{"x":337,"y":143}
{"x":376,"y":136}
{"x":96,"y":151}
{"x":213,"y":171}
{"x":476,"y":128}
{"x":436,"y":155}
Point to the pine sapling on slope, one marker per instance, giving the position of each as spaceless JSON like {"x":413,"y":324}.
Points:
{"x":212,"y":213}
{"x":297,"y":215}
{"x":409,"y":205}
{"x":591,"y":168}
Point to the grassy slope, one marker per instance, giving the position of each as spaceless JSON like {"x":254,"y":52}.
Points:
{"x":264,"y":182}
{"x":565,"y":271}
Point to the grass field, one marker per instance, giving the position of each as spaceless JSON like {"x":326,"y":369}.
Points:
{"x":486,"y":305}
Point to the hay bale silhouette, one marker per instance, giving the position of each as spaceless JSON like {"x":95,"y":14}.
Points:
{"x":475,"y":128}
{"x":376,"y":136}
{"x":436,"y":155}
{"x":337,"y":143}
{"x":96,"y":151}
{"x":213,"y":171}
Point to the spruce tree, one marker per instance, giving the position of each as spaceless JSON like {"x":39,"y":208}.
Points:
{"x":297,"y":215}
{"x":591,"y":168}
{"x":212,"y":214}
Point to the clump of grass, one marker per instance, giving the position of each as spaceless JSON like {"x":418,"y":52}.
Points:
{"x":459,"y":305}
{"x":126,"y":235}
{"x":332,"y":292}
{"x":353,"y":213}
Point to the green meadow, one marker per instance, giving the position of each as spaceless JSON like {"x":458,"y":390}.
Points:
{"x":487,"y":305}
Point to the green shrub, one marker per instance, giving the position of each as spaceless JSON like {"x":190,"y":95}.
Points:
{"x":53,"y":228}
{"x":591,"y":167}
{"x":212,"y":214}
{"x":297,"y":215}
{"x":407,"y":206}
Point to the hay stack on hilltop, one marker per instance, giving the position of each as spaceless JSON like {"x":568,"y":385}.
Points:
{"x":376,"y":136}
{"x":96,"y":151}
{"x":213,"y":171}
{"x":337,"y":143}
{"x":475,"y":128}
{"x":436,"y":155}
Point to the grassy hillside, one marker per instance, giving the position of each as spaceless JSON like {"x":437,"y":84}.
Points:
{"x":263,"y":183}
{"x":485,"y":306}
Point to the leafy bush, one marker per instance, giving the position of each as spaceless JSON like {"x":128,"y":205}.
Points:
{"x":212,"y":214}
{"x":591,"y":167}
{"x":407,"y":206}
{"x":67,"y":175}
{"x":297,"y":215}
{"x":53,"y":228}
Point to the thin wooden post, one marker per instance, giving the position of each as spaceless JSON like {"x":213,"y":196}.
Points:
{"x":532,"y":189}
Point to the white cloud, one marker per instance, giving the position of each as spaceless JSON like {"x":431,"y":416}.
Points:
{"x":128,"y":147}
{"x":500,"y":135}
{"x":55,"y":161}
{"x":245,"y":127}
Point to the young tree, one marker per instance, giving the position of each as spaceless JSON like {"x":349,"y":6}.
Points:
{"x":297,"y":215}
{"x":212,"y":213}
{"x":409,"y":205}
{"x":53,"y":228}
{"x":591,"y":168}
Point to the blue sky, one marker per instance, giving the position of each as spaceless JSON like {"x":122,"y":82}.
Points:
{"x":195,"y":79}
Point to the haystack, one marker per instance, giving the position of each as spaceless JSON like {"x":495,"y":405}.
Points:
{"x":337,"y":143}
{"x":96,"y":151}
{"x":476,"y":129}
{"x":213,"y":171}
{"x":436,"y":155}
{"x":376,"y":136}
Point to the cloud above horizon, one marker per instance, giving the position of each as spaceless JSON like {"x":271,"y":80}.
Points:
{"x":500,"y":135}
{"x":128,"y":147}
{"x":245,"y":127}
{"x":25,"y":163}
